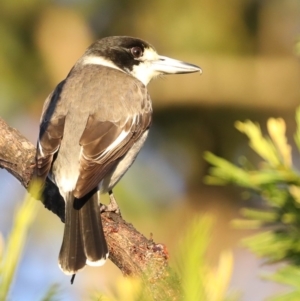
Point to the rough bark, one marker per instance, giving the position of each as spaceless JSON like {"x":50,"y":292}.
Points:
{"x":130,"y":251}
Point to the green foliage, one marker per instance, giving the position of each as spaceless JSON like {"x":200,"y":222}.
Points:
{"x":277,"y":181}
{"x":199,"y":281}
{"x":288,"y":275}
{"x":11,"y":250}
{"x":52,"y":293}
{"x":15,"y":243}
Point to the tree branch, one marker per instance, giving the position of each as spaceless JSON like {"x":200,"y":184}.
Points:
{"x":129,"y":250}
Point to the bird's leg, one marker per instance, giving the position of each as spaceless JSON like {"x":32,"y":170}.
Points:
{"x":112,"y":206}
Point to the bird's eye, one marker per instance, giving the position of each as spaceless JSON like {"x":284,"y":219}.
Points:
{"x":136,"y":52}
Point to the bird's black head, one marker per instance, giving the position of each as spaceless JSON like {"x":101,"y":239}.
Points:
{"x":133,"y":56}
{"x":125,"y":52}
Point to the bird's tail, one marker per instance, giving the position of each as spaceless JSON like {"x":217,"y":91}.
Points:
{"x":83,"y":240}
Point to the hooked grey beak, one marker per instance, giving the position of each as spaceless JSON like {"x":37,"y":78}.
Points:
{"x":166,"y":65}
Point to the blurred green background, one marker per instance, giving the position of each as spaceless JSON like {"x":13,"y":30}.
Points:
{"x":250,"y":71}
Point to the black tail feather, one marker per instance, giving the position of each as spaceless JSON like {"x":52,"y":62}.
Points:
{"x":94,"y":242}
{"x":83,"y":240}
{"x":71,"y":256}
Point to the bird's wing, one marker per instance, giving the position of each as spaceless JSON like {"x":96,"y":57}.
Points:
{"x":103,"y":144}
{"x":51,"y":133}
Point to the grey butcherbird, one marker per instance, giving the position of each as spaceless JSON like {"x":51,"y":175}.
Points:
{"x":92,"y":127}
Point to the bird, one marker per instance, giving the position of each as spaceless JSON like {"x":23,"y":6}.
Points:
{"x":92,"y":127}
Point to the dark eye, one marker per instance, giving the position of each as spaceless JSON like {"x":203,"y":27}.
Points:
{"x":136,"y":52}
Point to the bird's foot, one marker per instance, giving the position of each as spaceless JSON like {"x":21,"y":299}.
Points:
{"x":112,"y":206}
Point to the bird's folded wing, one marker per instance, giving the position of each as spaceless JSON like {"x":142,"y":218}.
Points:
{"x":103,"y":144}
{"x":50,"y":136}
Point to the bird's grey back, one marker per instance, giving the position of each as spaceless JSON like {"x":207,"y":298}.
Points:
{"x":107,"y":93}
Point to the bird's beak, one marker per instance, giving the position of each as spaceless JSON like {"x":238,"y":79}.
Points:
{"x":166,"y":65}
